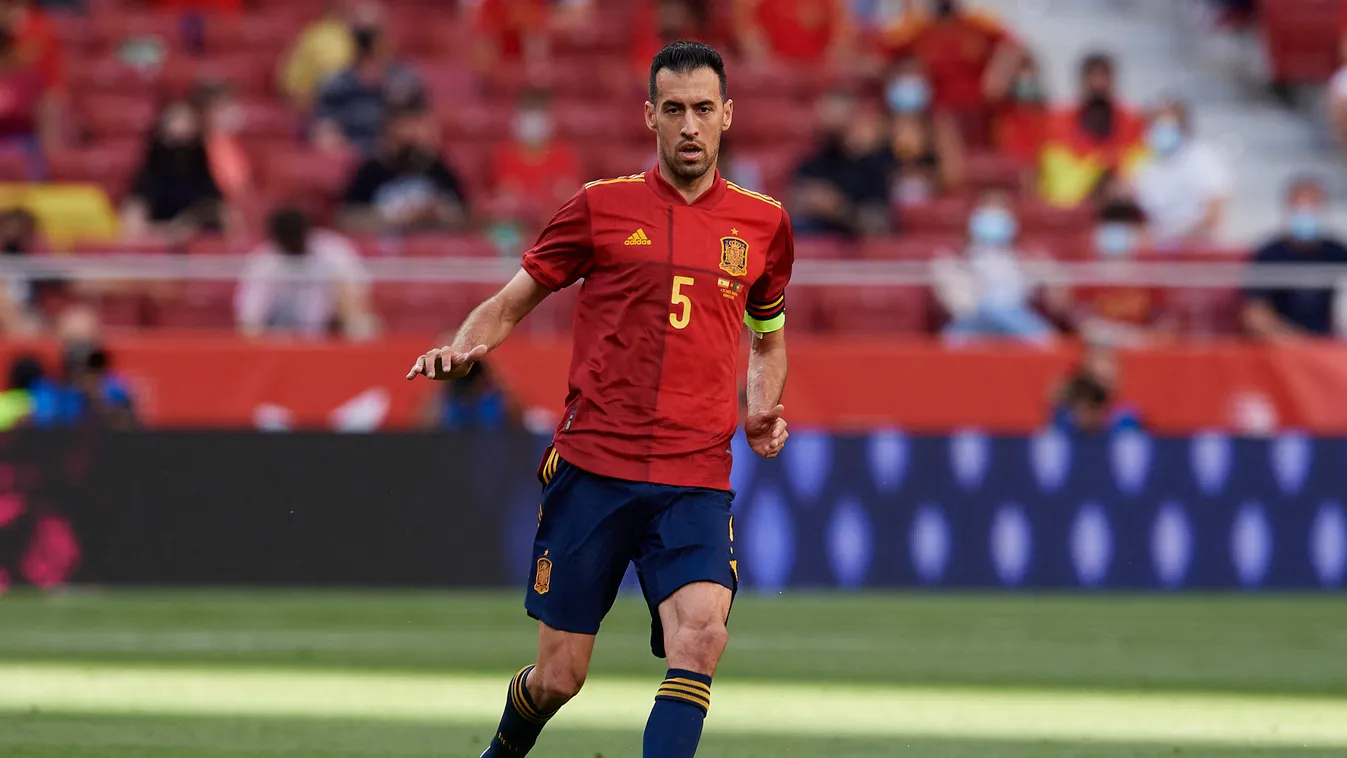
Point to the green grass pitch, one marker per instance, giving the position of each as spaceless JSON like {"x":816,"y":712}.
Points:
{"x":154,"y":674}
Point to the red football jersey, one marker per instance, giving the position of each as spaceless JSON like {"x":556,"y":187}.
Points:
{"x":667,"y":288}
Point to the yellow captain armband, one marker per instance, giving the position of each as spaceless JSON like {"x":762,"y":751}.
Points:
{"x":765,"y":326}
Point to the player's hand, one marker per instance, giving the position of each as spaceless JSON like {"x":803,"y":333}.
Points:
{"x":446,"y":363}
{"x":766,"y":432}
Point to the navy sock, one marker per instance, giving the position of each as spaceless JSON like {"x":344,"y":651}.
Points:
{"x":522,"y":723}
{"x":675,"y":725}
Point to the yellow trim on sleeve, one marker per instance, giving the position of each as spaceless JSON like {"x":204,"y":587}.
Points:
{"x":618,"y":180}
{"x":751,"y":193}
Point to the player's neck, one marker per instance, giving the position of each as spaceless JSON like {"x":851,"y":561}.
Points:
{"x":690,"y":190}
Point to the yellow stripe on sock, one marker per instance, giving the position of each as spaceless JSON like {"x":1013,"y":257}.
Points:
{"x":687,"y":695}
{"x":690,"y":683}
{"x":520,"y":700}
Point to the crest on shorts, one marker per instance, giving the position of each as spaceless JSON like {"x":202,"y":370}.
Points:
{"x":543,"y":582}
{"x":734,"y":256}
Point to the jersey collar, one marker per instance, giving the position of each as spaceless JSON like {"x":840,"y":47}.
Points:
{"x":666,"y":191}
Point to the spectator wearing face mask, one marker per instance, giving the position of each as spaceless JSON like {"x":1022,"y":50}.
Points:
{"x":1119,"y":314}
{"x":534,"y":171}
{"x":989,"y":292}
{"x":927,"y":148}
{"x":406,"y":186}
{"x":957,"y":45}
{"x":842,"y":188}
{"x":1020,"y":121}
{"x":174,"y":194}
{"x":354,"y":104}
{"x":1278,"y":313}
{"x":1098,"y":136}
{"x":1185,"y":186}
{"x":303,"y":281}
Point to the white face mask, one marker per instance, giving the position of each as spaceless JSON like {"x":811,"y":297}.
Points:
{"x":533,"y":127}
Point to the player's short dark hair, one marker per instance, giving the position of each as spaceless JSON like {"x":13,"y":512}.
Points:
{"x":683,"y":57}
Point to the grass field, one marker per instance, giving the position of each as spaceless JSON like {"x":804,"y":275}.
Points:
{"x":308,"y":674}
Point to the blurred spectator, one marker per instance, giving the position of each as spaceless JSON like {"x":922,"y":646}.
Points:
{"x":477,"y":402}
{"x":843,"y":186}
{"x":1084,"y":143}
{"x":1119,"y":314}
{"x":1185,"y":188}
{"x":988,"y":292}
{"x":325,"y":47}
{"x":520,"y":31}
{"x":958,"y":46}
{"x":406,"y":187}
{"x":174,"y":193}
{"x":1272,"y":313}
{"x":743,"y":169}
{"x":89,"y":392}
{"x":534,"y":171}
{"x":16,"y":402}
{"x":354,"y":104}
{"x":872,"y":17}
{"x":809,"y":32}
{"x":659,"y":22}
{"x":1086,"y":406}
{"x":927,"y":147}
{"x":32,"y":80}
{"x":222,"y":117}
{"x":303,"y":281}
{"x":20,"y":298}
{"x":1020,"y":115}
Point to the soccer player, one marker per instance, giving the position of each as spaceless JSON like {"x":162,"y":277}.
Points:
{"x":674,"y":261}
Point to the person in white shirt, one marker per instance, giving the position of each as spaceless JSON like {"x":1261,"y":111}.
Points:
{"x":304,"y":281}
{"x":1184,"y":188}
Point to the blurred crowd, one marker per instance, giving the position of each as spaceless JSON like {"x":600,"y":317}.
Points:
{"x":310,"y":136}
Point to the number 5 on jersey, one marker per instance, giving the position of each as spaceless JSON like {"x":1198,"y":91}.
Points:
{"x":679,"y":318}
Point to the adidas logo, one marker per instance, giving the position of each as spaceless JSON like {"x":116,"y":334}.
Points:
{"x":638,"y":238}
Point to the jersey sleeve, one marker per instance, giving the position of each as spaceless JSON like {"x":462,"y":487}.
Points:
{"x":766,"y":310}
{"x":564,"y":251}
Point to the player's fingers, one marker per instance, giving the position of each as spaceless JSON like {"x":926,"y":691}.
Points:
{"x":417,"y":367}
{"x":777,"y":411}
{"x":434,"y":364}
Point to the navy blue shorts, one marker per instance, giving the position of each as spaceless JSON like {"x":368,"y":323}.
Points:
{"x":591,"y":527}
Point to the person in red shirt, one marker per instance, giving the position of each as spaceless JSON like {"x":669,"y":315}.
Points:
{"x":675,"y":261}
{"x":534,"y":168}
{"x":520,"y":31}
{"x":1020,"y":121}
{"x":794,"y":31}
{"x":957,"y":47}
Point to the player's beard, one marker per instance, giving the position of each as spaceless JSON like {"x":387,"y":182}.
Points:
{"x":691,"y":172}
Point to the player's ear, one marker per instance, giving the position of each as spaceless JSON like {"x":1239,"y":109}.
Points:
{"x":729,"y":115}
{"x":650,"y":116}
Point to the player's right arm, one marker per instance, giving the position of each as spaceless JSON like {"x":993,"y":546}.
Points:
{"x":564,"y":253}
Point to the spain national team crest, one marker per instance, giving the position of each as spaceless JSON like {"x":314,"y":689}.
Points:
{"x":543,"y":582}
{"x":734,"y":256}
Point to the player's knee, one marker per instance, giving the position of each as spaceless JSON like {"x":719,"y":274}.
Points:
{"x":554,"y":686}
{"x":699,"y":646}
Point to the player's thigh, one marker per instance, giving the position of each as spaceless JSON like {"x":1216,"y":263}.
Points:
{"x":688,"y":553}
{"x":587,"y":533}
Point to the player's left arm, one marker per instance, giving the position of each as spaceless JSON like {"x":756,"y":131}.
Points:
{"x":766,"y":316}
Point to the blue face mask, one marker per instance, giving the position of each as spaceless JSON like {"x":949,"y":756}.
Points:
{"x":907,"y":95}
{"x":992,"y":226}
{"x":1165,"y":138}
{"x":1303,"y":224}
{"x":1114,"y":240}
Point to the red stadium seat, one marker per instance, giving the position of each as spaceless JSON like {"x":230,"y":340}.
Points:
{"x":110,"y":164}
{"x":875,"y":310}
{"x":201,"y":305}
{"x":990,"y":170}
{"x":911,"y":248}
{"x":264,"y":118}
{"x":305,"y":173}
{"x":1302,"y":38}
{"x":945,"y":215}
{"x":107,"y":74}
{"x":823,"y":249}
{"x":115,"y":116}
{"x":123,"y":247}
{"x":112,"y":30}
{"x":264,"y":32}
{"x":214,"y":244}
{"x":247,"y":73}
{"x":446,"y":246}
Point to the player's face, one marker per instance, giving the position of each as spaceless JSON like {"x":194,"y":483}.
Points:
{"x":688,"y":120}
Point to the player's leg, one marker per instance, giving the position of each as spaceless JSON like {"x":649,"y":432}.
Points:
{"x":688,"y":573}
{"x":538,"y":691}
{"x":586,"y":534}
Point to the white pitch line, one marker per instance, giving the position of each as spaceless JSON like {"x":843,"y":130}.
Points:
{"x":608,"y":703}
